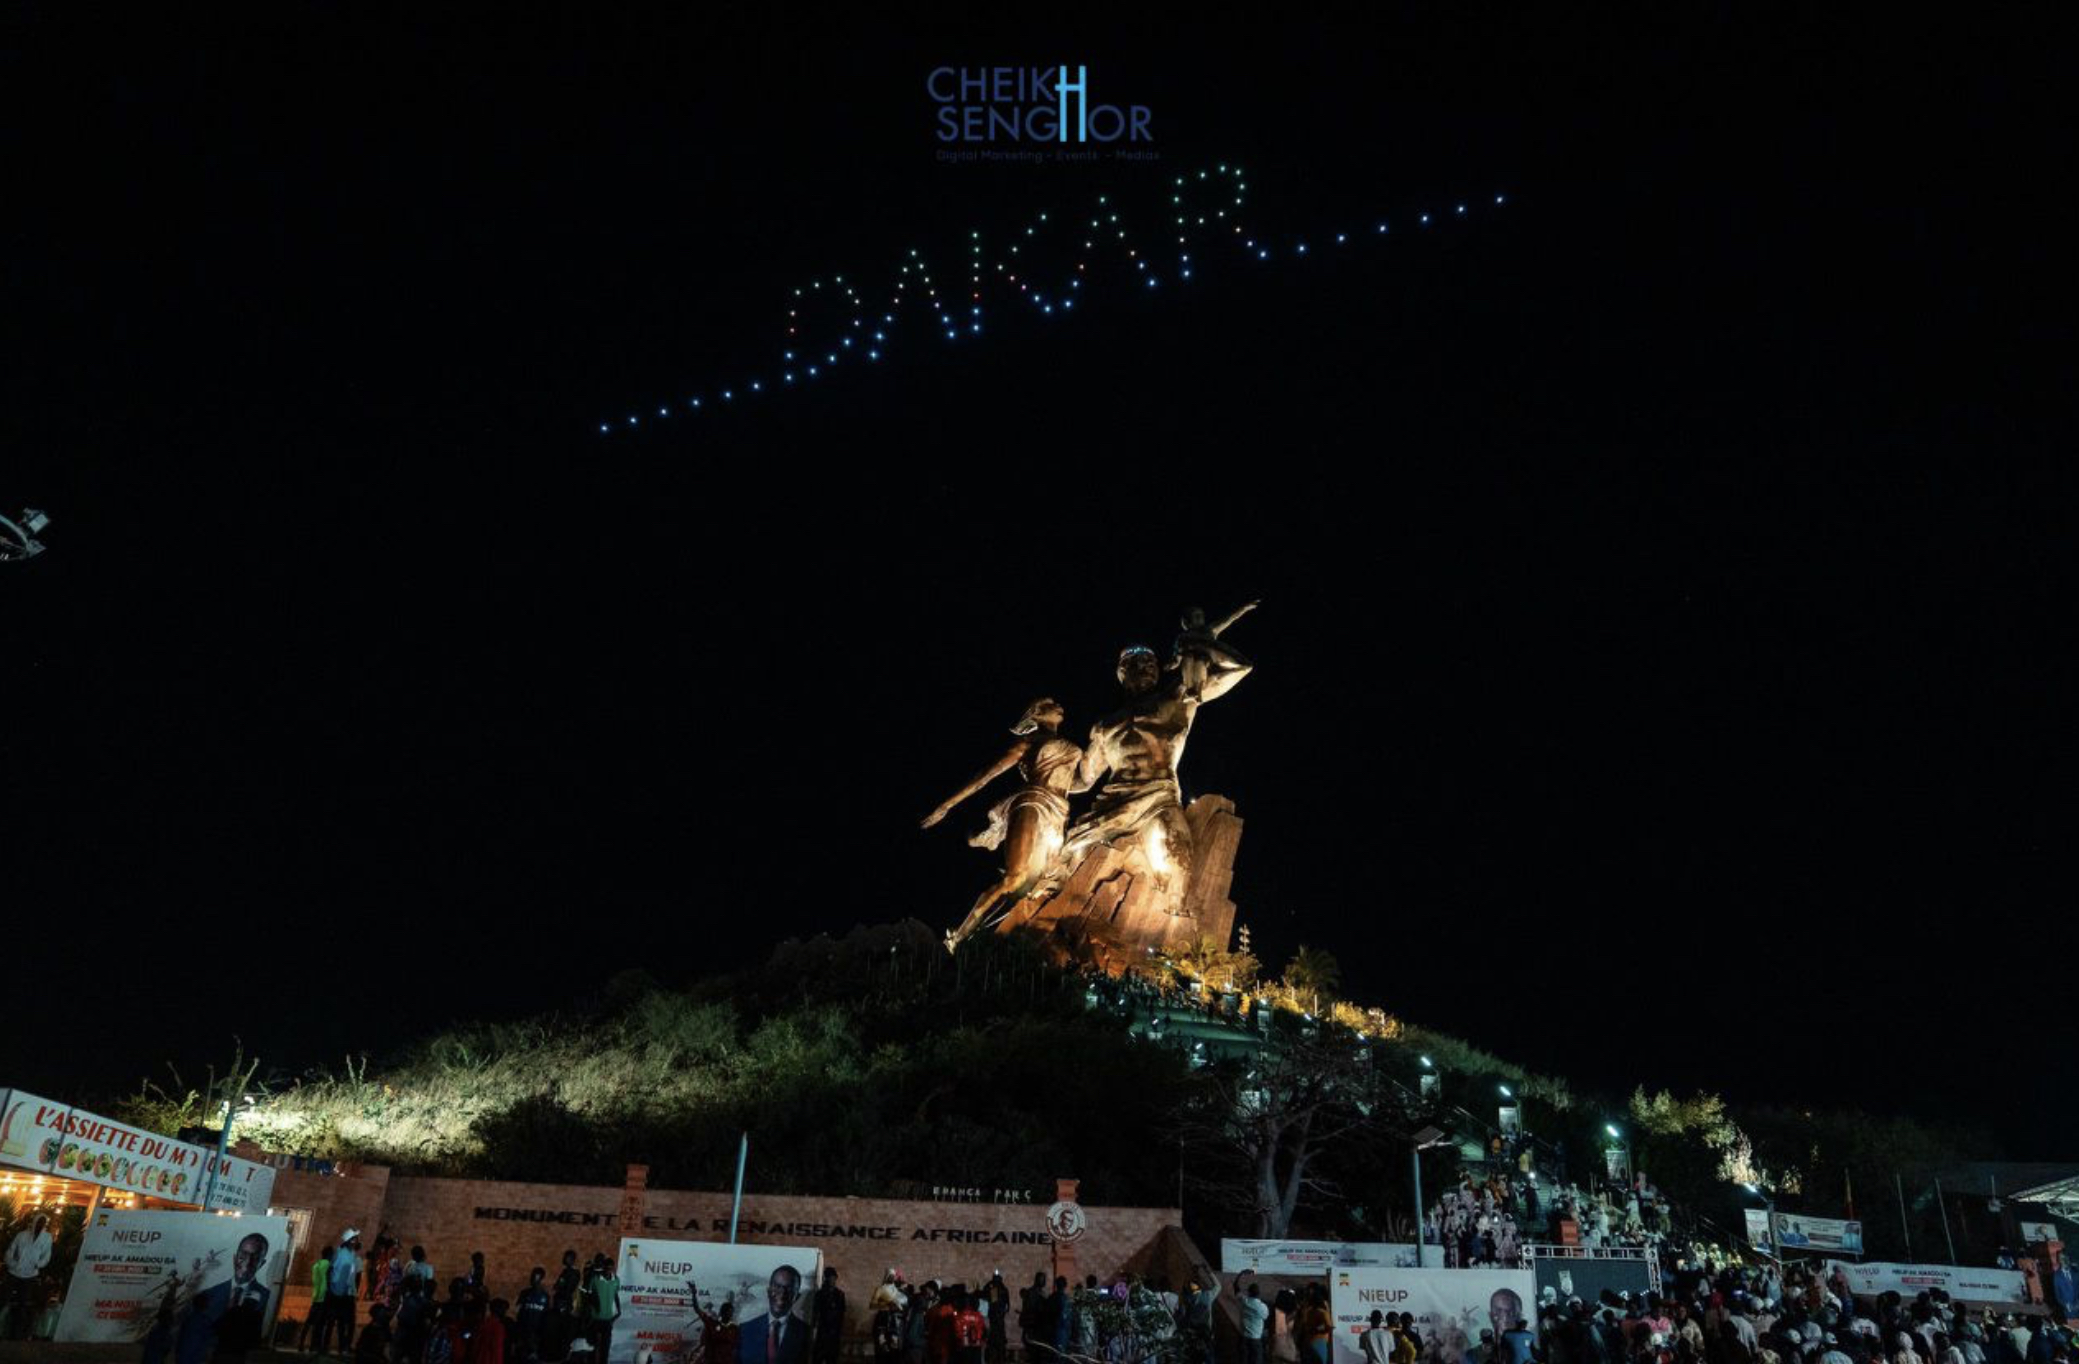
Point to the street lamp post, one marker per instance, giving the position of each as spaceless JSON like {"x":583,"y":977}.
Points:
{"x":209,"y":1190}
{"x":1423,"y":1140}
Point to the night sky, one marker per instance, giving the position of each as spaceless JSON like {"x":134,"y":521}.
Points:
{"x":1667,"y":587}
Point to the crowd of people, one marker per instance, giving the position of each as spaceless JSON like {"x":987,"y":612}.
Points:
{"x":389,"y":1305}
{"x":1488,"y":1219}
{"x":408,"y":1319}
{"x":1762,"y":1315}
{"x":1125,"y":1321}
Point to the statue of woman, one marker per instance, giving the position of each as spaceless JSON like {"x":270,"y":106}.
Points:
{"x":1027,"y":823}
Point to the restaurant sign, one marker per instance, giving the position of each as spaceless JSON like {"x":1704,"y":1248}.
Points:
{"x":70,"y":1143}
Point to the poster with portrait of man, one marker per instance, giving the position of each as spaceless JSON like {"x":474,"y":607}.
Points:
{"x":1451,"y":1306}
{"x":1795,"y":1232}
{"x":760,"y":1294}
{"x":197,"y":1279}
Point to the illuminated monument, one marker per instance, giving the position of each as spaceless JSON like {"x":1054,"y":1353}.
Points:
{"x":1137,"y":870}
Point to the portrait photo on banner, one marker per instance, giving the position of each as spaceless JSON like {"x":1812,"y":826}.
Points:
{"x":678,"y":1298}
{"x":196,"y":1280}
{"x":1451,"y":1307}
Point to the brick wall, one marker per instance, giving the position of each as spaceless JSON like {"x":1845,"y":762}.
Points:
{"x":518,"y":1226}
{"x":352,"y":1196}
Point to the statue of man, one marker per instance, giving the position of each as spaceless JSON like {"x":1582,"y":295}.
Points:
{"x":1132,"y":755}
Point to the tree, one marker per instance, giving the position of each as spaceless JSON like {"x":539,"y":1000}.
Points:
{"x":1221,"y":970}
{"x":1265,"y":1123}
{"x":1313,"y":976}
{"x":170,"y":1110}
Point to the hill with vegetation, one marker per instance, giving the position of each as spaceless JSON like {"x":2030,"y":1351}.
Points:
{"x":877,"y":1064}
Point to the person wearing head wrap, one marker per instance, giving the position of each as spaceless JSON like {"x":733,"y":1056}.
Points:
{"x":889,"y":1295}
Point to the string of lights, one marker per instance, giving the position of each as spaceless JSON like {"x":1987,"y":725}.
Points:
{"x":1205,"y":217}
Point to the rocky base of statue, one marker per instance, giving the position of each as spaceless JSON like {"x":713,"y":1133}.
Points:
{"x":1115,"y":910}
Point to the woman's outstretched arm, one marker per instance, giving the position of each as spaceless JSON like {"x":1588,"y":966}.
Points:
{"x":981,"y":779}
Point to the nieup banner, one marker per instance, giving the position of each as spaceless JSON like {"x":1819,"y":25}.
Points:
{"x":763,"y":1291}
{"x":1959,"y":1281}
{"x":1451,"y":1306}
{"x":71,"y":1143}
{"x":1277,"y":1257}
{"x":194,"y":1276}
{"x":1317,"y":1257}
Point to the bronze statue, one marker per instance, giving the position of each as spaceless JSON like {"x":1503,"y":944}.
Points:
{"x":1137,"y":872}
{"x":1135,"y":750}
{"x":1027,"y":823}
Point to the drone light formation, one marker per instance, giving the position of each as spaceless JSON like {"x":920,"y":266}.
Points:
{"x":830,"y":322}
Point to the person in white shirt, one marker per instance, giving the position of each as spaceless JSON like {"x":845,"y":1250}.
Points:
{"x":345,"y":1288}
{"x":1255,"y":1315}
{"x":27,"y":1254}
{"x":30,"y":1250}
{"x":1744,"y":1328}
{"x":1377,"y":1341}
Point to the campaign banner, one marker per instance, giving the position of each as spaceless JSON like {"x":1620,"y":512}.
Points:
{"x":762,"y":1285}
{"x":1277,"y":1257}
{"x":1451,"y":1306}
{"x":1758,"y":1229}
{"x":1795,"y":1232}
{"x":1959,"y":1281}
{"x":71,"y":1143}
{"x":1318,"y":1257}
{"x":221,"y":1275}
